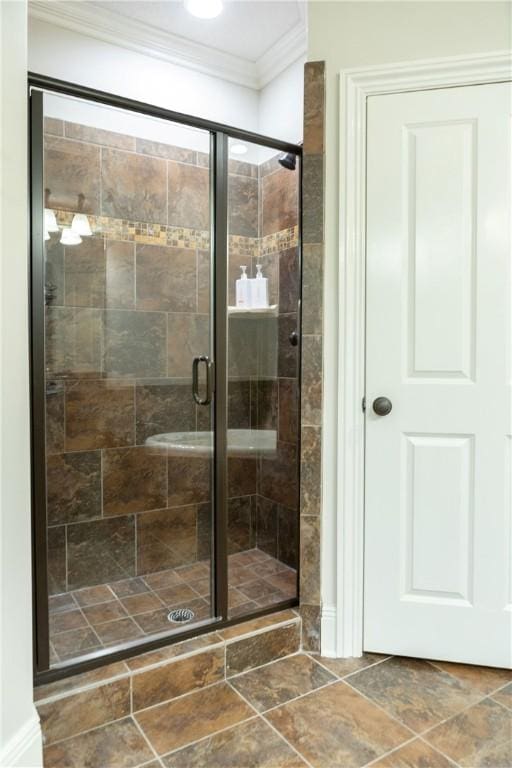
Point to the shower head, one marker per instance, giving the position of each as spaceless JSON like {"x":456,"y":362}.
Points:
{"x":289,"y":161}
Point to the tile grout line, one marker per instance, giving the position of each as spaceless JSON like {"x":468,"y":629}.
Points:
{"x":208,"y":736}
{"x":458,"y":679}
{"x":264,"y":719}
{"x":146,"y":739}
{"x":374,"y":664}
{"x":436,"y":749}
{"x":381,"y":708}
{"x":390,"y":752}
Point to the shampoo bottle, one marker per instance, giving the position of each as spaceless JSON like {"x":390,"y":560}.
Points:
{"x":242,"y":290}
{"x":259,"y":292}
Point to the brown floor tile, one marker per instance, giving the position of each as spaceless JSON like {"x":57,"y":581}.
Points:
{"x":147,"y":601}
{"x":58,"y":603}
{"x":236,"y":598}
{"x":193,"y":572}
{"x":238,"y":575}
{"x":284,"y":581}
{"x":504,"y":696}
{"x":417,"y":754}
{"x":128,"y":587}
{"x":68,"y":684}
{"x":479,"y":736}
{"x":172,"y":651}
{"x":178,"y":594}
{"x":281,"y":681}
{"x":67,"y":620}
{"x":337,"y":727}
{"x":484,"y":679}
{"x":117,"y":631}
{"x":74,"y":643}
{"x":154,"y":621}
{"x":118,"y":745}
{"x":414,"y":691}
{"x":261,"y":623}
{"x":93,"y":595}
{"x":251,"y":745}
{"x":163,"y":579}
{"x":243,"y":610}
{"x":256,"y":590}
{"x":179,"y":722}
{"x":250,"y":652}
{"x":99,"y":614}
{"x":202,"y":587}
{"x":344,"y":667}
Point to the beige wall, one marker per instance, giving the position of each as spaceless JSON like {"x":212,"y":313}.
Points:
{"x":356,"y":34}
{"x":20,"y":737}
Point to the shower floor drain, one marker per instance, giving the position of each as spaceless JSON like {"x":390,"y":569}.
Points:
{"x":180,"y":615}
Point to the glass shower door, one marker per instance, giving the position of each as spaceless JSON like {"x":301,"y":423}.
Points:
{"x":128,"y":454}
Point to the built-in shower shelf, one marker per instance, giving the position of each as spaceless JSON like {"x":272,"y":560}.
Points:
{"x":270,"y":311}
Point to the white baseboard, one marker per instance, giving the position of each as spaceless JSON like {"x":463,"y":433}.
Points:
{"x":25,"y":748}
{"x":328,"y":631}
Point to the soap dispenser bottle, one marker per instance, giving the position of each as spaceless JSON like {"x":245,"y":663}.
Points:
{"x":242,"y":290}
{"x":259,"y":289}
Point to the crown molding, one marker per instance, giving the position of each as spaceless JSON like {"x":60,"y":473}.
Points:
{"x":144,"y":38}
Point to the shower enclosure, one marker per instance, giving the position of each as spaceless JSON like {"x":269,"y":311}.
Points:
{"x":164,"y":416}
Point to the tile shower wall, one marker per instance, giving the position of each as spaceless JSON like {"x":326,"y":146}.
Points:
{"x":115,"y":305}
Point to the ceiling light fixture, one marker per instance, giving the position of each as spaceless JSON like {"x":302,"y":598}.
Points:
{"x":204,"y":9}
{"x":238,"y":149}
{"x":69,"y":237}
{"x":80,"y":225}
{"x":50,"y":221}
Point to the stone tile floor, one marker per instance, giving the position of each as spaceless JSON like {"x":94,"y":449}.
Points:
{"x":311,"y":711}
{"x":110,"y":614}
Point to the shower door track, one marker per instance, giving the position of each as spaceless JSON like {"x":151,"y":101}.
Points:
{"x":219,"y":133}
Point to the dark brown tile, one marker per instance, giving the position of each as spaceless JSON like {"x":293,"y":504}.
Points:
{"x":256,"y":590}
{"x":178,"y":594}
{"x":313,"y":199}
{"x":239,"y":404}
{"x":189,"y":197}
{"x":118,"y":744}
{"x":100,"y":551}
{"x":168,"y":681}
{"x":312,"y":288}
{"x":311,"y":468}
{"x":118,"y":631}
{"x":71,"y":168}
{"x":243,"y":339}
{"x":99,"y":414}
{"x":135,"y":343}
{"x":310,"y":559}
{"x":85,"y":273}
{"x":414,"y":691}
{"x":166,"y":538}
{"x":103,"y":612}
{"x":350,"y":731}
{"x":189,"y":480}
{"x":154,"y":621}
{"x":56,"y":542}
{"x":288,"y":410}
{"x":243,"y":206}
{"x":58,"y":603}
{"x":241,"y":477}
{"x":54,"y":416}
{"x":120,"y":275}
{"x":289,"y":292}
{"x":134,"y":480}
{"x":344,"y":667}
{"x":194,"y":571}
{"x":133,"y":186}
{"x":266,"y":525}
{"x":162,"y":406}
{"x":71,"y":644}
{"x":176,"y":723}
{"x":83,"y":711}
{"x":168,"y":151}
{"x":278,"y":475}
{"x":479,"y":736}
{"x":281,"y":681}
{"x":285,"y":581}
{"x":77,"y":682}
{"x":279,"y":201}
{"x":250,"y":652}
{"x":73,"y":484}
{"x":93,"y":135}
{"x":188,"y":337}
{"x":485,"y":679}
{"x":416,"y":754}
{"x":143,"y":603}
{"x":163,"y":580}
{"x":93,"y":595}
{"x":73,"y":342}
{"x":264,"y":401}
{"x":311,"y":388}
{"x":166,"y":278}
{"x":170,"y":652}
{"x":252,"y":744}
{"x":288,"y":536}
{"x":314,"y":107}
{"x":205,"y":527}
{"x":240,"y":524}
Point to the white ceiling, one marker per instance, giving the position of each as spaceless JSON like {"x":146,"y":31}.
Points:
{"x":251,"y":42}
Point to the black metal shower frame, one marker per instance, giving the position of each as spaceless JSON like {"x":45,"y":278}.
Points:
{"x":219,"y":136}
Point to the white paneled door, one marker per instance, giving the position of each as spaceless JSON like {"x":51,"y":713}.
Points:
{"x":438,"y":523}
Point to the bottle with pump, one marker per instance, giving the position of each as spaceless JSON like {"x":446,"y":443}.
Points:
{"x":242,"y":290}
{"x":259,"y":289}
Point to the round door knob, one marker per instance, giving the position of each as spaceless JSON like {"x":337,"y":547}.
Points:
{"x":382,"y":406}
{"x":293,"y":338}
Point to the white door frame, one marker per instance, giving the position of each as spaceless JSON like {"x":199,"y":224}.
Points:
{"x":342,"y":624}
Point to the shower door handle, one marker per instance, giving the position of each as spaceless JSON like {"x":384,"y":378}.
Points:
{"x":206,"y":400}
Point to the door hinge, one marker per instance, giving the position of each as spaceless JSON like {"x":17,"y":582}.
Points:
{"x":363,"y":404}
